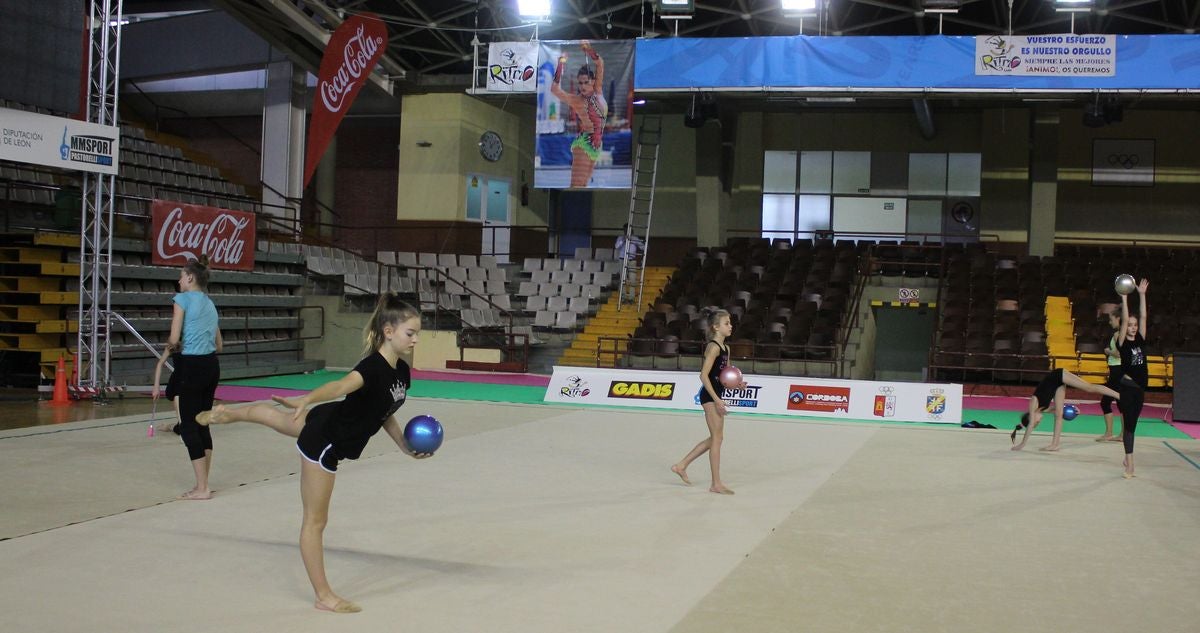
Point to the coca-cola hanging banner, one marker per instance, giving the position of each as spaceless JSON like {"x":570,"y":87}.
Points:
{"x":186,"y":231}
{"x":351,"y":53}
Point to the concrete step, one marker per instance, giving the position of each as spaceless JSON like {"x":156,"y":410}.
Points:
{"x":595,"y":331}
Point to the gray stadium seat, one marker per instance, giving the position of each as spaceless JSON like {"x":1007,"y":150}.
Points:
{"x":564,"y":320}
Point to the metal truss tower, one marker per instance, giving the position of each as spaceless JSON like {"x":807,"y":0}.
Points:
{"x":96,"y":221}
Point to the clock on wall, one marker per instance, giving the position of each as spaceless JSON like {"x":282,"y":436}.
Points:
{"x":490,"y":146}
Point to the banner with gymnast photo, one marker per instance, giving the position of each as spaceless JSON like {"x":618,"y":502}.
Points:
{"x":584,"y":115}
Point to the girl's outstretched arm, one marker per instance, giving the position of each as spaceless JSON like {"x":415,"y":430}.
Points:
{"x":349,"y":383}
{"x":556,"y":85}
{"x":599,"y":61}
{"x":1142,"y":309}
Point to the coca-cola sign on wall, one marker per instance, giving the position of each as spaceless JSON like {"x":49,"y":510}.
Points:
{"x":185,"y":231}
{"x":353,"y":50}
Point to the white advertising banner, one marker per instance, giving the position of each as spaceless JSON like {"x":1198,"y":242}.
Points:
{"x":41,"y":139}
{"x":1063,"y":55}
{"x":512,"y":66}
{"x":778,"y":395}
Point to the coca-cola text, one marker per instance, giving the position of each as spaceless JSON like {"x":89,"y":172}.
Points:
{"x":356,"y":59}
{"x":184,"y":232}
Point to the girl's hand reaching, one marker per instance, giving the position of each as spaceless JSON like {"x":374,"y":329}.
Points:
{"x":294,"y":402}
{"x":413,"y":454}
{"x":588,"y":50}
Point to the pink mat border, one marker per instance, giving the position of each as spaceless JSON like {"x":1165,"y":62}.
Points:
{"x":527,"y":380}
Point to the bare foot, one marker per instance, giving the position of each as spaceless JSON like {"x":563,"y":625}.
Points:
{"x":1105,"y":438}
{"x":216,"y":416}
{"x":721,"y":490}
{"x":682,"y":472}
{"x":166,"y":426}
{"x":1115,"y":438}
{"x":1018,"y":447}
{"x":1051,"y":448}
{"x":1128,"y":475}
{"x":337,"y":605}
{"x":195,"y":495}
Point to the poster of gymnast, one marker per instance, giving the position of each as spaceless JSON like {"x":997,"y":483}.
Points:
{"x":584,"y":115}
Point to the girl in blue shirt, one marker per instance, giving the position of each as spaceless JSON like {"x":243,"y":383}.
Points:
{"x":197,"y":337}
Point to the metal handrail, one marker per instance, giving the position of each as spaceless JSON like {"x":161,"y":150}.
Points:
{"x":627,"y":344}
{"x":112,"y":314}
{"x":850,"y":319}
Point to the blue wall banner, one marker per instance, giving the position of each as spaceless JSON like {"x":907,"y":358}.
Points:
{"x":935,"y":63}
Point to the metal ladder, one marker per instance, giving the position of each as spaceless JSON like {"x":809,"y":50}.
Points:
{"x":641,"y":206}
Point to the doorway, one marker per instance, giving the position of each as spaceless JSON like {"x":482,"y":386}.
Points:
{"x":488,"y":201}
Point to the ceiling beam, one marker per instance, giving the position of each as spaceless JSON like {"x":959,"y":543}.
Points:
{"x":437,"y":33}
{"x":862,"y":26}
{"x":1159,"y":23}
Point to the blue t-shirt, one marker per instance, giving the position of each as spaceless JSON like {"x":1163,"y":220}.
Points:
{"x":199,"y":323}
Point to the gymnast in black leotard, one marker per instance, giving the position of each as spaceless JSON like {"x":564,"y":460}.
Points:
{"x":714,"y":374}
{"x":1053,"y":388}
{"x":1136,"y":374}
{"x":337,"y":429}
{"x":716,"y":357}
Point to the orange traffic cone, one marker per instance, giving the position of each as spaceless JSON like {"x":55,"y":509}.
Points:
{"x":60,"y":384}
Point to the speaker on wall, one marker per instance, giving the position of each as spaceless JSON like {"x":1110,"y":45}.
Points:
{"x":1186,"y":402}
{"x":701,"y":108}
{"x":960,"y":219}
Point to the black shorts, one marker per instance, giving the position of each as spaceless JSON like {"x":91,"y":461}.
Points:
{"x":1047,"y":387}
{"x":312,"y":443}
{"x":173,"y":379}
{"x":705,"y":398}
{"x":1133,"y":397}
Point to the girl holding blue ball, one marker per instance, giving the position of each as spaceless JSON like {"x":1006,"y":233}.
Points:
{"x":332,"y":431}
{"x":1053,"y":387}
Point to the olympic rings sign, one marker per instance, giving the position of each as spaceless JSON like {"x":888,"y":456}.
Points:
{"x":1128,"y":161}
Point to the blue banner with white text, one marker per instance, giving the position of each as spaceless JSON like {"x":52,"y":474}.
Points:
{"x":938,"y":63}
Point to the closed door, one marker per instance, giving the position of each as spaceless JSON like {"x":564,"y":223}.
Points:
{"x":488,"y":202}
{"x":497,"y":235}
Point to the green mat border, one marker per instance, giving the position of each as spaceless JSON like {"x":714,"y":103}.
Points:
{"x":525,"y":394}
